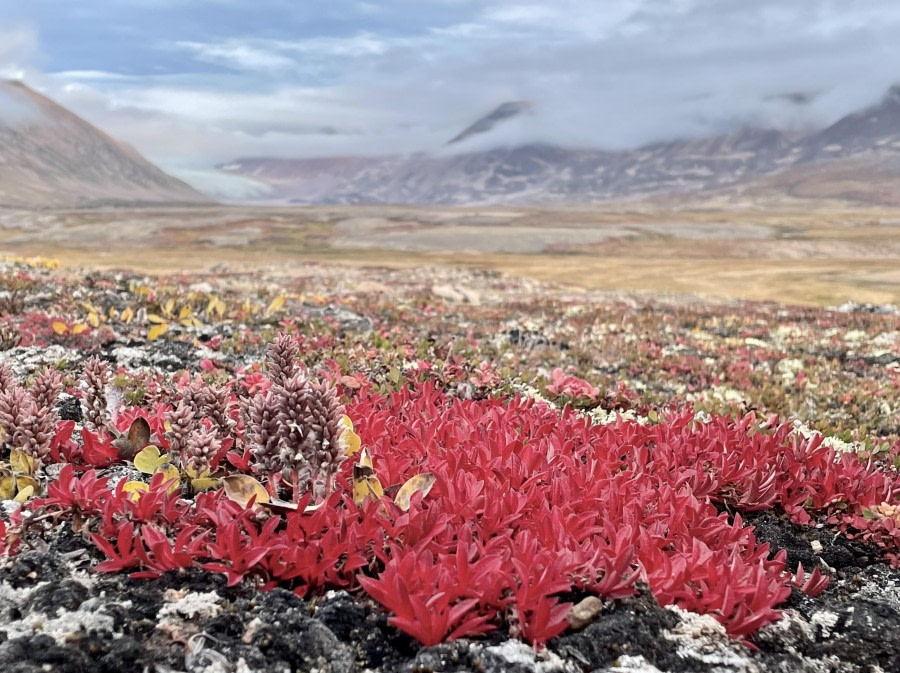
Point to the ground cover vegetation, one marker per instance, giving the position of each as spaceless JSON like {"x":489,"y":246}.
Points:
{"x":474,"y":457}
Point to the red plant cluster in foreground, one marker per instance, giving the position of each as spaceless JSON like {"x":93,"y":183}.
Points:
{"x":528,"y":503}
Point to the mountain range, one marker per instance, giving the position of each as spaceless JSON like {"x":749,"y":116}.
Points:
{"x":51,"y":158}
{"x":855,"y":159}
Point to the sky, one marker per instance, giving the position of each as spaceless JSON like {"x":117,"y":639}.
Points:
{"x":193,"y":83}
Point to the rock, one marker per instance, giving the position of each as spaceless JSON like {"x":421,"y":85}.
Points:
{"x":584,"y":612}
{"x":69,"y":408}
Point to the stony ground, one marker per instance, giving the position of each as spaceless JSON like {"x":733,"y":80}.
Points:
{"x":831,"y":371}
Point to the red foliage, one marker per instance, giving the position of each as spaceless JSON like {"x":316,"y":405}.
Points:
{"x":527,"y":504}
{"x":571,"y":386}
{"x":62,"y":447}
{"x":98,"y":450}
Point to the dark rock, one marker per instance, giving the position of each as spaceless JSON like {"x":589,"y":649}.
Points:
{"x":67,"y":595}
{"x":32,"y":567}
{"x":301,"y":643}
{"x":69,"y":409}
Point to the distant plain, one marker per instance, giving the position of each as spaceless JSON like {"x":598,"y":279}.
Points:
{"x":801,"y":255}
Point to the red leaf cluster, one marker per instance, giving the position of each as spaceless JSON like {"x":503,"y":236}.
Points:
{"x":528,"y":503}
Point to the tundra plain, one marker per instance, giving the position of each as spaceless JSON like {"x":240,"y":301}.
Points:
{"x":821,"y":255}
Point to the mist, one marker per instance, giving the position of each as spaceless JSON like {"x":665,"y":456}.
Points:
{"x":399,"y":80}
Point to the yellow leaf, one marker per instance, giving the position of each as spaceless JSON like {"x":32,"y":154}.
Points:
{"x":93,"y":319}
{"x":184,"y":312}
{"x":215,"y":305}
{"x":87,"y":306}
{"x":127,"y":315}
{"x":365,"y":460}
{"x":7,"y":485}
{"x":148,"y":459}
{"x":365,"y":488}
{"x":351,"y":439}
{"x":276,"y":304}
{"x":421,"y":483}
{"x":157,"y":331}
{"x":171,"y":476}
{"x":152,"y":317}
{"x":79,"y":328}
{"x":204,"y":484}
{"x":242,"y":487}
{"x":169,"y":307}
{"x":24,"y":482}
{"x":135,"y":488}
{"x":59,"y":327}
{"x":21,"y":462}
{"x":365,"y":484}
{"x":283,"y":506}
{"x":113,"y":313}
{"x":24,"y":494}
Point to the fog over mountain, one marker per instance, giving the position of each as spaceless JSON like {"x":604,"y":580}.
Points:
{"x":857,"y":158}
{"x":194,"y":84}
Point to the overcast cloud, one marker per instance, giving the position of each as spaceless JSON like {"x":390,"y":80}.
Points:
{"x":192,"y":83}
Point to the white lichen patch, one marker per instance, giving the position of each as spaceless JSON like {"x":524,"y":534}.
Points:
{"x":789,"y":368}
{"x":717,"y":394}
{"x":885,"y":591}
{"x":790,"y":632}
{"x":518,"y":653}
{"x":63,"y":626}
{"x":132,"y":358}
{"x":630,"y":664}
{"x":839,"y":445}
{"x":12,"y":594}
{"x":825,"y":622}
{"x":26,"y":360}
{"x":702,"y":639}
{"x":206,"y":605}
{"x":532,"y":393}
{"x":601,"y":416}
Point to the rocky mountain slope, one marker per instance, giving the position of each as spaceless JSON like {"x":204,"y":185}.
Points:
{"x":51,"y":158}
{"x":856,"y":151}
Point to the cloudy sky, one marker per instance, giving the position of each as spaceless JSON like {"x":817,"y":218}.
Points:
{"x":194,"y":82}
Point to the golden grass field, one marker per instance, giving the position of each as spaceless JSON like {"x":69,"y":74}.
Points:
{"x":818,"y":256}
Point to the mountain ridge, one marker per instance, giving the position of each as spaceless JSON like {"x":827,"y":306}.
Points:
{"x":52,"y":158}
{"x":544,"y":174}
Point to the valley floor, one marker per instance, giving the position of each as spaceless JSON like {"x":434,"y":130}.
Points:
{"x":812,"y":255}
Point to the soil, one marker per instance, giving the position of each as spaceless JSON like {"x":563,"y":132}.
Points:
{"x":55,"y":615}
